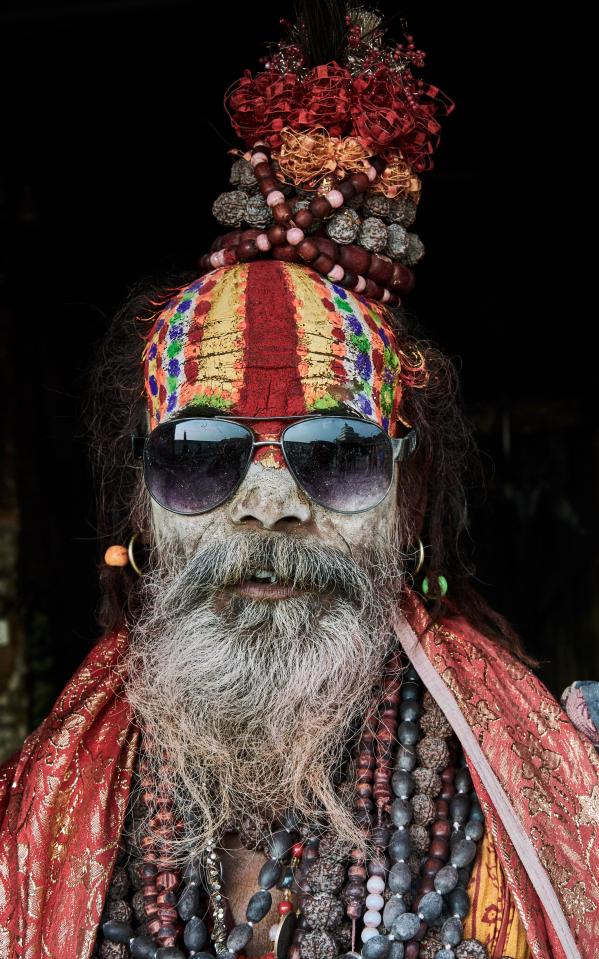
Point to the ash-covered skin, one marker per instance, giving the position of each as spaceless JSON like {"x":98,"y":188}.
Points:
{"x":269,"y":499}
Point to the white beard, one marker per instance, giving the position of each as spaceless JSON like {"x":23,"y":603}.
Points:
{"x":257,"y":704}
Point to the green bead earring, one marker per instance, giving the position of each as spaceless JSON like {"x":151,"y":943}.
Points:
{"x":443,"y":585}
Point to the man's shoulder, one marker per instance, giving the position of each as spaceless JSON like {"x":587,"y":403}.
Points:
{"x":484,"y":671}
{"x":91,"y":698}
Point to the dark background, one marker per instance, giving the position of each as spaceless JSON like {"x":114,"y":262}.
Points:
{"x":114,"y":148}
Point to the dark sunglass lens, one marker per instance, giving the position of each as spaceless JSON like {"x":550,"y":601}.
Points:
{"x":195,"y":464}
{"x":344,"y":464}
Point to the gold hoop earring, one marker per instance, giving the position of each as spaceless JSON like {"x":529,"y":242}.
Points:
{"x":420,"y":553}
{"x":131,"y":554}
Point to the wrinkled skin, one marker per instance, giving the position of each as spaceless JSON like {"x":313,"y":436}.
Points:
{"x":269,"y":499}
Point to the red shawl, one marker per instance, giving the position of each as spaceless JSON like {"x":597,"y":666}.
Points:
{"x":63,"y":798}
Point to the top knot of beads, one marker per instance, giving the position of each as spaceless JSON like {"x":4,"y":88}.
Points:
{"x":331,"y":176}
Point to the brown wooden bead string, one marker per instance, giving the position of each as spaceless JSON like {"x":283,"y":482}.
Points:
{"x":354,"y":892}
{"x":377,"y":277}
{"x":161,"y":878}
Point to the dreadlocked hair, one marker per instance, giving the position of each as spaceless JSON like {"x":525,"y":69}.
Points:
{"x":431,"y":491}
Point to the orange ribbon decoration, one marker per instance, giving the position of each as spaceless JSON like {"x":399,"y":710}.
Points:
{"x":398,"y":179}
{"x":307,"y":158}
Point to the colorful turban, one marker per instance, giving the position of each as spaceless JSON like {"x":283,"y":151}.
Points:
{"x":270,"y":337}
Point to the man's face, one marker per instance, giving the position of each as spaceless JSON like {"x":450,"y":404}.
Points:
{"x":269,"y":501}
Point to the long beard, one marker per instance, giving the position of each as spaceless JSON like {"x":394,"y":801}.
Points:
{"x":247,"y":707}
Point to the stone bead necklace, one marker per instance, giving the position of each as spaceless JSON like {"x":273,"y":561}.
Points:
{"x":413,"y":796}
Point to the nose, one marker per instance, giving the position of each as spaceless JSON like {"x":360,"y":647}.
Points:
{"x":270,"y":499}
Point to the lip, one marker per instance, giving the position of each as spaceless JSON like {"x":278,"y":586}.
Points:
{"x":266,"y":590}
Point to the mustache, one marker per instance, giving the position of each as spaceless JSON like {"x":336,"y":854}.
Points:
{"x":308,"y":565}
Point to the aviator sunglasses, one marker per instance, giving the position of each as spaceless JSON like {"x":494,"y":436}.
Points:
{"x":344,"y":463}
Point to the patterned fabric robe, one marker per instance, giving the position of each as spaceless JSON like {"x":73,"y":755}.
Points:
{"x":63,"y":798}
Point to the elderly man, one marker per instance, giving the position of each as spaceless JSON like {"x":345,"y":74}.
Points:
{"x":250,"y":762}
{"x":302,"y":734}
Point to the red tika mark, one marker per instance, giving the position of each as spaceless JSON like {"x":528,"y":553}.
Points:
{"x":272,"y":383}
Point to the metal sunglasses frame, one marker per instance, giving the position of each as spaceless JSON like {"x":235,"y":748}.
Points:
{"x":402,"y":447}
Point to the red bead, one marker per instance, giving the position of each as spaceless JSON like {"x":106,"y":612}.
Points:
{"x":167,"y":898}
{"x":349,"y":280}
{"x":205,"y":263}
{"x":282,"y":213}
{"x":303,"y":219}
{"x":360,"y":182}
{"x":442,"y":808}
{"x":230,"y":257}
{"x":346,"y":189}
{"x":399,"y":277}
{"x":285,"y":252}
{"x":262,"y":170}
{"x":372,"y":290}
{"x":297,"y":850}
{"x":353,"y":910}
{"x":354,"y":258}
{"x":432,"y":865}
{"x":448,"y":791}
{"x":320,"y":207}
{"x":357,"y":872}
{"x":323,"y":263}
{"x":441,"y":829}
{"x":439,"y":848}
{"x":412,"y":950}
{"x":226,"y":241}
{"x":307,"y":250}
{"x":326,"y":246}
{"x":378,"y":163}
{"x":168,"y":880}
{"x":284,"y":907}
{"x":261,"y":148}
{"x":247,"y":251}
{"x":277,"y":235}
{"x":268,"y":184}
{"x":380,"y":270}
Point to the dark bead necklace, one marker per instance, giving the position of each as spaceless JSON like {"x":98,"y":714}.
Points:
{"x":413,"y":796}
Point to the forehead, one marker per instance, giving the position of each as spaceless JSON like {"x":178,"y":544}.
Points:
{"x":271,"y":338}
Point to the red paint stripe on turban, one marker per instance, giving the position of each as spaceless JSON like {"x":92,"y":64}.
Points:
{"x":272,"y":383}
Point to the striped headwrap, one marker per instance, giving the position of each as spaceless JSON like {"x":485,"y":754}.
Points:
{"x":271,"y":337}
